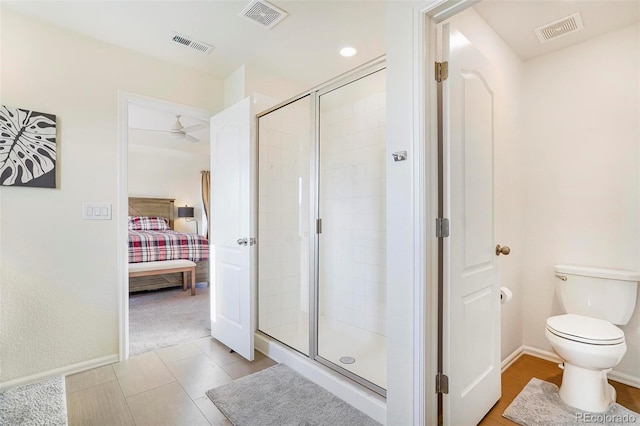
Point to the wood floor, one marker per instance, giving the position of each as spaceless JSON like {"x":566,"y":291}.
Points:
{"x":163,"y":387}
{"x":515,"y":378}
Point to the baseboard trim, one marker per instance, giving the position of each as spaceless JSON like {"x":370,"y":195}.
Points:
{"x":363,"y":399}
{"x":62,"y":371}
{"x":513,"y":357}
{"x":623,"y":378}
{"x":539,"y":353}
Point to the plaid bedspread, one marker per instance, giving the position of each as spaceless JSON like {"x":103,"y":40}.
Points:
{"x":151,"y":246}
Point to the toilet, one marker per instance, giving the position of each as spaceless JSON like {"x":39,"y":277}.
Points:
{"x":586,"y":337}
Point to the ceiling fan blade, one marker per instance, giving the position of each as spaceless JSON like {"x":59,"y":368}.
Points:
{"x":194,"y":128}
{"x":191,"y":138}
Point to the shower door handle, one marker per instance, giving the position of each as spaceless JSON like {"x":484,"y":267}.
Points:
{"x":242,"y":241}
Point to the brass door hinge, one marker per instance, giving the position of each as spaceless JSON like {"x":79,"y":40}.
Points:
{"x":442,"y":383}
{"x":442,"y":71}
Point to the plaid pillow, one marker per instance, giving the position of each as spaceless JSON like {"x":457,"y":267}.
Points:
{"x":141,"y":223}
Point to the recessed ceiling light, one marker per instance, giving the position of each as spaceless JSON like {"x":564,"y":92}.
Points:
{"x":348,"y":51}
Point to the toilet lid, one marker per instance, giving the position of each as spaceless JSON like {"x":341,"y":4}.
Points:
{"x":585,"y":329}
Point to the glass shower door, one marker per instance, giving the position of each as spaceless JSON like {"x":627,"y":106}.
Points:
{"x":352,"y":245}
{"x":284,"y":144}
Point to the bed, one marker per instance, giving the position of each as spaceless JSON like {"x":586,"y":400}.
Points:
{"x":148,"y":244}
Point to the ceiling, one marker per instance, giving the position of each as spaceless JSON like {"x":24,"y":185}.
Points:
{"x":514,"y":21}
{"x":303,"y":47}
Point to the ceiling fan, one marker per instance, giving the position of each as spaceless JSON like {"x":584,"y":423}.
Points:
{"x":178,"y":131}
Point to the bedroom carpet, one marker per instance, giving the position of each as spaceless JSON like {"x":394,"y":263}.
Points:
{"x":39,"y":403}
{"x":278,"y":396}
{"x":539,"y":404}
{"x":168,"y":317}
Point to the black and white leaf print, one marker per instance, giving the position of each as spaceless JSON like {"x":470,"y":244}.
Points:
{"x":27,"y":145}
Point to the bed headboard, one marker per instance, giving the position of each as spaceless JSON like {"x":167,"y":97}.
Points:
{"x":162,"y":207}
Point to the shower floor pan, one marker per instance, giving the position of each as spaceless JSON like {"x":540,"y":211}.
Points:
{"x":336,"y":340}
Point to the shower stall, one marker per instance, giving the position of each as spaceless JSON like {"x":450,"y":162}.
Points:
{"x":322,"y":225}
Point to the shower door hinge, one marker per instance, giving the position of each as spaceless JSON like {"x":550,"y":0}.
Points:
{"x":442,"y":227}
{"x":442,"y":71}
{"x":318,"y":226}
{"x":442,"y":383}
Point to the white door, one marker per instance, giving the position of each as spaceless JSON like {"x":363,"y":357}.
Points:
{"x":232,"y":185}
{"x":472,"y":290}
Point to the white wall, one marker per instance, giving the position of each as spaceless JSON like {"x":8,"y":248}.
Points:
{"x":234,"y":87}
{"x":58,"y":273}
{"x":508,"y":144}
{"x":581,"y":167}
{"x":400,"y":204}
{"x":271,"y":85}
{"x":270,"y":88}
{"x":168,"y":173}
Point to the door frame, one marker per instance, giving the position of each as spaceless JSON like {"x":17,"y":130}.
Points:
{"x":121,"y":210}
{"x":427,"y":323}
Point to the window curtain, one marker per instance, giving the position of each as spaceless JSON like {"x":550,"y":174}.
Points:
{"x":206,"y":191}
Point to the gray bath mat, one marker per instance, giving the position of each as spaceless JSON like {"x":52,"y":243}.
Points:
{"x":278,"y":396}
{"x":539,"y":404}
{"x":40,"y":403}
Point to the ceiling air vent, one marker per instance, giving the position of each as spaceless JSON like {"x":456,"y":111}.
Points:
{"x":189,"y":42}
{"x":559,"y":28}
{"x":263,"y":13}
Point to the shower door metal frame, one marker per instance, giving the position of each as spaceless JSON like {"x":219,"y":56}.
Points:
{"x":359,"y":74}
{"x":363,"y":71}
{"x":290,"y":101}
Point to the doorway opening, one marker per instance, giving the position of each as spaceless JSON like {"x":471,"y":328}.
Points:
{"x":160,"y":172}
{"x":544,"y":154}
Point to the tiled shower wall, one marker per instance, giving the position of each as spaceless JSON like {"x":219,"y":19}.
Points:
{"x":352,"y":204}
{"x":283,"y":228}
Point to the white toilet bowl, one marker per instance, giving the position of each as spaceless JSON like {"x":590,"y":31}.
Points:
{"x":590,"y":348}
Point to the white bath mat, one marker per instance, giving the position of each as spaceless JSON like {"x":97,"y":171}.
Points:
{"x":539,"y":404}
{"x":35,"y":404}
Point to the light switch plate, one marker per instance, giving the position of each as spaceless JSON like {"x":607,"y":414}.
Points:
{"x":96,"y":211}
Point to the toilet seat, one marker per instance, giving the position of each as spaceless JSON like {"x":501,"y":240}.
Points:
{"x":584,"y":329}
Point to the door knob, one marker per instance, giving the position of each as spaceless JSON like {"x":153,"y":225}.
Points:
{"x":502,"y":250}
{"x":242,"y":241}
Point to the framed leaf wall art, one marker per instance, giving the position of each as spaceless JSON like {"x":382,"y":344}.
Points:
{"x":27,"y":148}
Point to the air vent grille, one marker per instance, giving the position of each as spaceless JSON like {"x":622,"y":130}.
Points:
{"x":263,"y":13}
{"x":181,"y":40}
{"x":196,"y":45}
{"x":559,"y":28}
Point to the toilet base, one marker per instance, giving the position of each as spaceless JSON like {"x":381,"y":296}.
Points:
{"x":585,"y":389}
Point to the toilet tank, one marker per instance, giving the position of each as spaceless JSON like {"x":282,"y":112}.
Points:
{"x":608,"y":294}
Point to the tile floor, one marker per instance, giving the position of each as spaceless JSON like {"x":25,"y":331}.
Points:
{"x":163,"y":387}
{"x":167,"y":387}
